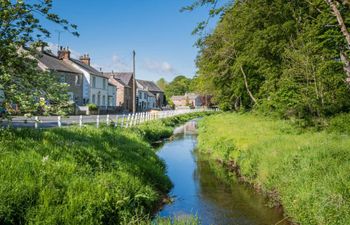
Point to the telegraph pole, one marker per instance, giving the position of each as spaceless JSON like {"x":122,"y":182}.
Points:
{"x":134,"y":84}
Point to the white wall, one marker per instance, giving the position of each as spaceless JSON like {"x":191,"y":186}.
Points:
{"x":99,"y":92}
{"x":86,"y":82}
{"x":112,"y":95}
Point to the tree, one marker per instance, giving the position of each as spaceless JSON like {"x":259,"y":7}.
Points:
{"x":162,"y":83}
{"x":179,"y":86}
{"x":277,"y":57}
{"x":21,"y":33}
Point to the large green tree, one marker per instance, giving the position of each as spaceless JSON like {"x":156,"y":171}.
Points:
{"x":21,"y":32}
{"x":278,"y":56}
{"x":178,"y":86}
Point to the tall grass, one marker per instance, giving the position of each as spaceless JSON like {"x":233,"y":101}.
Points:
{"x":308,"y":172}
{"x":82,"y":175}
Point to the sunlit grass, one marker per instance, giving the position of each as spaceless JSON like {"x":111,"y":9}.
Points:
{"x":82,"y":175}
{"x":309,"y":171}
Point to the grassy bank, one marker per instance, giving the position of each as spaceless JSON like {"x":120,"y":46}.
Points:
{"x":82,"y":175}
{"x":308,"y":172}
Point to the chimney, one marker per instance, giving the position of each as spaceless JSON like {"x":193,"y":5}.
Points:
{"x":63,"y":53}
{"x":85,"y":59}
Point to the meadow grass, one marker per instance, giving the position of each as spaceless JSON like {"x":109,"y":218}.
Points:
{"x":307,"y":172}
{"x":84,"y":175}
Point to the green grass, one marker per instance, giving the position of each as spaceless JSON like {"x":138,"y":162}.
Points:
{"x":308,"y":172}
{"x":82,"y":175}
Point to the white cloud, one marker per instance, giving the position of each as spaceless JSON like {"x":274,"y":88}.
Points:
{"x":161,"y":68}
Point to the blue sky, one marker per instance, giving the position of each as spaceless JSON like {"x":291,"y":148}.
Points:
{"x":111,"y":29}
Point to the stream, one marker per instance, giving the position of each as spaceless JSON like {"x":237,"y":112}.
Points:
{"x":207,"y":190}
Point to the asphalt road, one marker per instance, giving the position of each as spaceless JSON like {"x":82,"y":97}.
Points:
{"x":52,"y":121}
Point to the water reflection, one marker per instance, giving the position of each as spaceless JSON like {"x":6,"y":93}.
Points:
{"x":209,"y":191}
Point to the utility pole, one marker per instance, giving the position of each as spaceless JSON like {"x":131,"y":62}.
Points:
{"x":134,"y":84}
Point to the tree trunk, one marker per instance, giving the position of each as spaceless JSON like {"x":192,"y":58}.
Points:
{"x":345,"y":32}
{"x":340,"y":19}
{"x":247,"y":87}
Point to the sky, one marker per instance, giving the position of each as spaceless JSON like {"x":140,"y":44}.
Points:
{"x":111,"y":29}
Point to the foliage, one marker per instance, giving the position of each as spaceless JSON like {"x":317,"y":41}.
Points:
{"x":21,"y":80}
{"x":340,"y":124}
{"x":162,"y":83}
{"x":180,"y":85}
{"x":276,"y":57}
{"x":306,"y":171}
{"x":92,"y":107}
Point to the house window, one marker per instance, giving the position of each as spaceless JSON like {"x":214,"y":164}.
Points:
{"x":140,"y":95}
{"x":110,"y":101}
{"x":98,"y":100}
{"x":62,"y":79}
{"x":104,"y":84}
{"x":93,"y":99}
{"x":94,"y":82}
{"x":104,"y":100}
{"x":144,"y":95}
{"x":77,"y":80}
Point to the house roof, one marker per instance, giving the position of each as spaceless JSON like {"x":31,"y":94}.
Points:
{"x":178,"y":98}
{"x":52,"y":62}
{"x":112,"y":81}
{"x":116,"y":79}
{"x":150,"y":94}
{"x":149,"y":85}
{"x":89,"y":69}
{"x":189,"y":96}
{"x":124,"y":77}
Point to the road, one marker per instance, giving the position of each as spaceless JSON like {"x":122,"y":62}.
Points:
{"x":52,"y":121}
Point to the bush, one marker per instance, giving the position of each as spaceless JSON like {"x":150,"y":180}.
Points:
{"x":92,"y":107}
{"x":340,"y":124}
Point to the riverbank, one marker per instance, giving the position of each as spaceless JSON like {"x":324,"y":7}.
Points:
{"x":83,"y":175}
{"x":305,"y":171}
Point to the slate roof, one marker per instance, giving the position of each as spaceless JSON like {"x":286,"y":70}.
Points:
{"x":112,"y":81}
{"x":53,"y":63}
{"x":115,"y":79}
{"x":89,"y":69}
{"x":123,"y":77}
{"x":150,"y":86}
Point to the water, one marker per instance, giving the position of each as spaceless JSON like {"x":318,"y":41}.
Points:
{"x":209,"y":191}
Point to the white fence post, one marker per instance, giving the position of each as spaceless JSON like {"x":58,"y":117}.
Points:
{"x":59,"y":124}
{"x":107,"y":120}
{"x":97,"y":121}
{"x":36,"y":121}
{"x":116,"y":121}
{"x":122,"y":123}
{"x":127,"y":121}
{"x":80,"y":121}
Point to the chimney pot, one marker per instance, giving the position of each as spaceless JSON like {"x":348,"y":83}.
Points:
{"x":85,"y":59}
{"x":63,"y":53}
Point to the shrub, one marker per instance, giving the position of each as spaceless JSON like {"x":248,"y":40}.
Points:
{"x":340,"y":124}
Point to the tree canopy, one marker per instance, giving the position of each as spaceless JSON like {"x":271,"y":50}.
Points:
{"x":21,"y":32}
{"x":278,"y":57}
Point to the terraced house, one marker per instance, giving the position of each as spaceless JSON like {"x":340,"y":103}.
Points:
{"x":124,"y":83}
{"x":66,"y":73}
{"x":95,"y":83}
{"x":155,"y":94}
